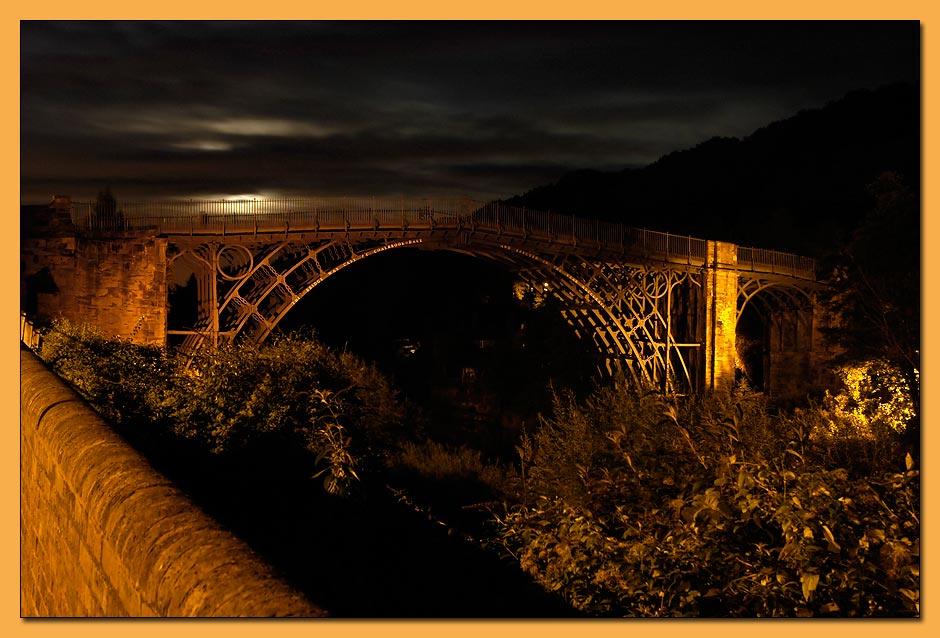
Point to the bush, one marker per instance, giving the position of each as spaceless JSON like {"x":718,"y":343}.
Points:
{"x":230,"y":398}
{"x":645,"y":505}
{"x":287,"y":395}
{"x":454,"y":485}
{"x":123,"y":380}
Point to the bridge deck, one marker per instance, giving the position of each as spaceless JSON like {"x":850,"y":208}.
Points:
{"x":341,"y":215}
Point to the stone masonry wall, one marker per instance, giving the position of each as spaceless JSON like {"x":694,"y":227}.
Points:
{"x":790,"y":350}
{"x":721,"y":301}
{"x":800,"y":358}
{"x":103,"y":534}
{"x":118,"y":284}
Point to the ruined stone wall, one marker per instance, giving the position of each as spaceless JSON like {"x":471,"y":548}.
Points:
{"x":118,"y":284}
{"x":103,"y":534}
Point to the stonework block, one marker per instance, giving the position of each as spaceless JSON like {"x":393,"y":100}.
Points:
{"x":90,"y":533}
{"x":87,"y":565}
{"x":128,"y":594}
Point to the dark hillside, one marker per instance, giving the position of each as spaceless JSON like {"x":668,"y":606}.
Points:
{"x":796,"y":185}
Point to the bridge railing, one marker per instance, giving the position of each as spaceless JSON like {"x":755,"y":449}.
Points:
{"x":360,"y":213}
{"x":208,"y":217}
{"x":776,"y":262}
{"x":579,"y":231}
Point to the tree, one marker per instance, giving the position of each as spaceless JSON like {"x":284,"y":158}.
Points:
{"x":874,"y":289}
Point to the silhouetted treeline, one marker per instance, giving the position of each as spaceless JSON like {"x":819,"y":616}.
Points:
{"x":797,"y":185}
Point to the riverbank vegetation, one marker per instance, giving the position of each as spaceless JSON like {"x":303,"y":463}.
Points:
{"x":622,"y":502}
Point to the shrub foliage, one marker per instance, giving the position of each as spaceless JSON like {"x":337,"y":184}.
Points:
{"x":291,"y":394}
{"x":643,"y":505}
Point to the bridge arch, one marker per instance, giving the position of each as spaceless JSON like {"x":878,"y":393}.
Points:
{"x":625,"y":311}
{"x":775,"y":332}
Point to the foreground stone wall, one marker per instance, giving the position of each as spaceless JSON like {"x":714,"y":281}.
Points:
{"x":103,"y":534}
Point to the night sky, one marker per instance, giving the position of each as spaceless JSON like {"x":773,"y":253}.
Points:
{"x":480,"y":109}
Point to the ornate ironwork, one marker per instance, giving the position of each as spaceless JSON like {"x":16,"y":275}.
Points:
{"x":628,"y":311}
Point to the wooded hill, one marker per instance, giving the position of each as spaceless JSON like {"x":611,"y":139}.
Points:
{"x":797,"y":185}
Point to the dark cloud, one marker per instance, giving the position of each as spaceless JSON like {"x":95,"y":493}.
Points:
{"x":486,"y":109}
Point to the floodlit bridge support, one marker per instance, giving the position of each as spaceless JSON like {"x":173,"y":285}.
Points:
{"x":663,"y":308}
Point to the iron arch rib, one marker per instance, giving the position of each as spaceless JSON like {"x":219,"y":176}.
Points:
{"x":285,"y":281}
{"x":625,"y":310}
{"x":769,"y":293}
{"x":323,"y":274}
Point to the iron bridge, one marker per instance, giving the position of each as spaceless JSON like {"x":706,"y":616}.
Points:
{"x":646,"y":300}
